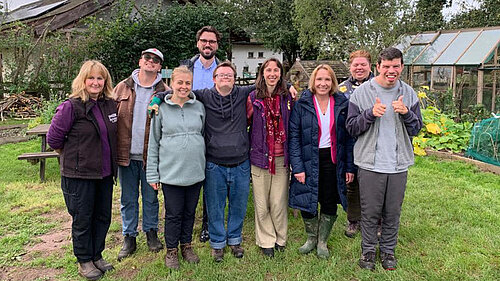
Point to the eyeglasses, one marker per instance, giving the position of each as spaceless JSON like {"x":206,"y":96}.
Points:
{"x":154,"y":59}
{"x":211,"y":42}
{"x":224,"y":75}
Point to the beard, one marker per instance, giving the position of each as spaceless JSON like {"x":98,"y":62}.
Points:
{"x":209,"y":55}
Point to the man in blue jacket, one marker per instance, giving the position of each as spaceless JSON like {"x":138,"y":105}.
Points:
{"x":384,"y":114}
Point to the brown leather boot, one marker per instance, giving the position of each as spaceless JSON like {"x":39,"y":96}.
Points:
{"x":188,"y":254}
{"x":172,"y":259}
{"x":89,"y":271}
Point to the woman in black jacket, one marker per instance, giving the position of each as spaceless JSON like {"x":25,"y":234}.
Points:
{"x":321,"y":157}
{"x":83,"y":132}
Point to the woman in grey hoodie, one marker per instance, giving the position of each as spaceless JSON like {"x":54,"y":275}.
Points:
{"x":176,"y":159}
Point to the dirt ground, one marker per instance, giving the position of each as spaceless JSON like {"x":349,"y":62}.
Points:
{"x":49,"y":244}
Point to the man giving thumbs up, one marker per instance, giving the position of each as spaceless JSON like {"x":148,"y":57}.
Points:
{"x":383,"y":152}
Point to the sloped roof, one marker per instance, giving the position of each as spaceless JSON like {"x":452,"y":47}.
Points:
{"x":338,"y":67}
{"x":59,"y":13}
{"x":474,"y":46}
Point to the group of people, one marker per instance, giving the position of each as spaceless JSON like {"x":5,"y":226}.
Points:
{"x":347,"y":145}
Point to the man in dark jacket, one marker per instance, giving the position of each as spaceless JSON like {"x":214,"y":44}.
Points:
{"x":203,"y":65}
{"x":133,"y":95}
{"x":360,"y":69}
{"x":384,"y":114}
{"x":227,"y":173}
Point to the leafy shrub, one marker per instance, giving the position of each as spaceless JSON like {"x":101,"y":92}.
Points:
{"x":440,"y":131}
{"x":46,"y":111}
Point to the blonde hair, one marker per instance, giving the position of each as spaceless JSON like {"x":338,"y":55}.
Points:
{"x":180,"y":70}
{"x":78,"y":85}
{"x":335,"y":83}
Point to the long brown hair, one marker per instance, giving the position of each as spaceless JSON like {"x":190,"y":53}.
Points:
{"x":260,"y":83}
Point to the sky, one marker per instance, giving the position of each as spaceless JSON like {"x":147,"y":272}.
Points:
{"x":448,"y":12}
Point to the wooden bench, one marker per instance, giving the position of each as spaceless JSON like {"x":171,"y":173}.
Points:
{"x":35,"y":157}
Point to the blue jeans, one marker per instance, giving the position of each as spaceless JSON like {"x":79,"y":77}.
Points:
{"x":231,"y":183}
{"x":130,"y":176}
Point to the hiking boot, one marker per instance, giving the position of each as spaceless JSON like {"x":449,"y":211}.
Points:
{"x":128,"y":248}
{"x":172,"y":259}
{"x":324,"y":228}
{"x":311,"y":226}
{"x":279,"y":248}
{"x":89,"y":271}
{"x":389,"y":262}
{"x":103,"y":265}
{"x":268,"y":252}
{"x":367,"y":261}
{"x":218,"y":254}
{"x":188,"y":254}
{"x":237,"y":251}
{"x":153,"y":242}
{"x":351,"y":229}
{"x":204,"y":235}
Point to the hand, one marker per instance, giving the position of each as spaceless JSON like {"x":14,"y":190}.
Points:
{"x":399,"y":106}
{"x":293,"y":92}
{"x":301,"y":177}
{"x":155,"y":185}
{"x":349,"y":177}
{"x":153,"y":106}
{"x":379,"y":108}
{"x":59,"y":151}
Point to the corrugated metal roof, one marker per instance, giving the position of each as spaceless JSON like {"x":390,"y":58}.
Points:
{"x":32,"y":10}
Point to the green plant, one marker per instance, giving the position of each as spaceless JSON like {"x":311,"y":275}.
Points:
{"x":440,"y":131}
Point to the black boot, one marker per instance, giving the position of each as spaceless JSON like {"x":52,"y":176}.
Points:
{"x":153,"y":242}
{"x":129,"y":247}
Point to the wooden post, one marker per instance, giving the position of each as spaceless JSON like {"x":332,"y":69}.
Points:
{"x":494,"y":91}
{"x":454,"y":82}
{"x":432,"y":79}
{"x":480,"y":78}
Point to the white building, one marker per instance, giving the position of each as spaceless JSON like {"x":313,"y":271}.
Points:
{"x":248,"y":56}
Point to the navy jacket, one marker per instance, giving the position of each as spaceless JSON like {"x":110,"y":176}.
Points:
{"x":303,"y":147}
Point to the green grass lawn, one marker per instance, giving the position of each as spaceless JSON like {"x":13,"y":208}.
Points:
{"x":450,"y":230}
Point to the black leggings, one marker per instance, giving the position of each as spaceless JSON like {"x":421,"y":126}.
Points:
{"x":328,"y":195}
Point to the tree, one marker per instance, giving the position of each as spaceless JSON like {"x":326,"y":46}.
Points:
{"x":119,"y":42}
{"x":334,"y":28}
{"x":487,"y":14}
{"x":429,"y":15}
{"x":268,"y":21}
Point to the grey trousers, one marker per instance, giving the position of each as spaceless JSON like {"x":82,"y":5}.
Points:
{"x":381,"y":196}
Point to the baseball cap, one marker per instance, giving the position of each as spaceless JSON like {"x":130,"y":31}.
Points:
{"x":153,"y":51}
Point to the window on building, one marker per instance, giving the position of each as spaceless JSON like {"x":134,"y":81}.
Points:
{"x":250,"y":55}
{"x":261,"y":55}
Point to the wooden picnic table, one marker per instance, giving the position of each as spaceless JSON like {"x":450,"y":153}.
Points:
{"x":41,"y":131}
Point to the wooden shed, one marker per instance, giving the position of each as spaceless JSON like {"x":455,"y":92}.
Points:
{"x":301,"y":71}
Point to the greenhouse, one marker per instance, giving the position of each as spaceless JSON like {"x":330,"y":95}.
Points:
{"x":465,"y":62}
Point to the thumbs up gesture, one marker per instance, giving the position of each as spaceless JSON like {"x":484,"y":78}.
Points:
{"x":399,"y":106}
{"x":379,"y":108}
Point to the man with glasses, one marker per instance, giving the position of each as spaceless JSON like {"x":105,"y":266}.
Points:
{"x":203,"y":65}
{"x":227,"y":172}
{"x":133,"y":95}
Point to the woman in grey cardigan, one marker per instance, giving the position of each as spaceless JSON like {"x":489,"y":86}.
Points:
{"x":176,"y":159}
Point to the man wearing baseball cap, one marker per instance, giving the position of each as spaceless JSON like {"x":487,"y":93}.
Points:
{"x":133,"y":95}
